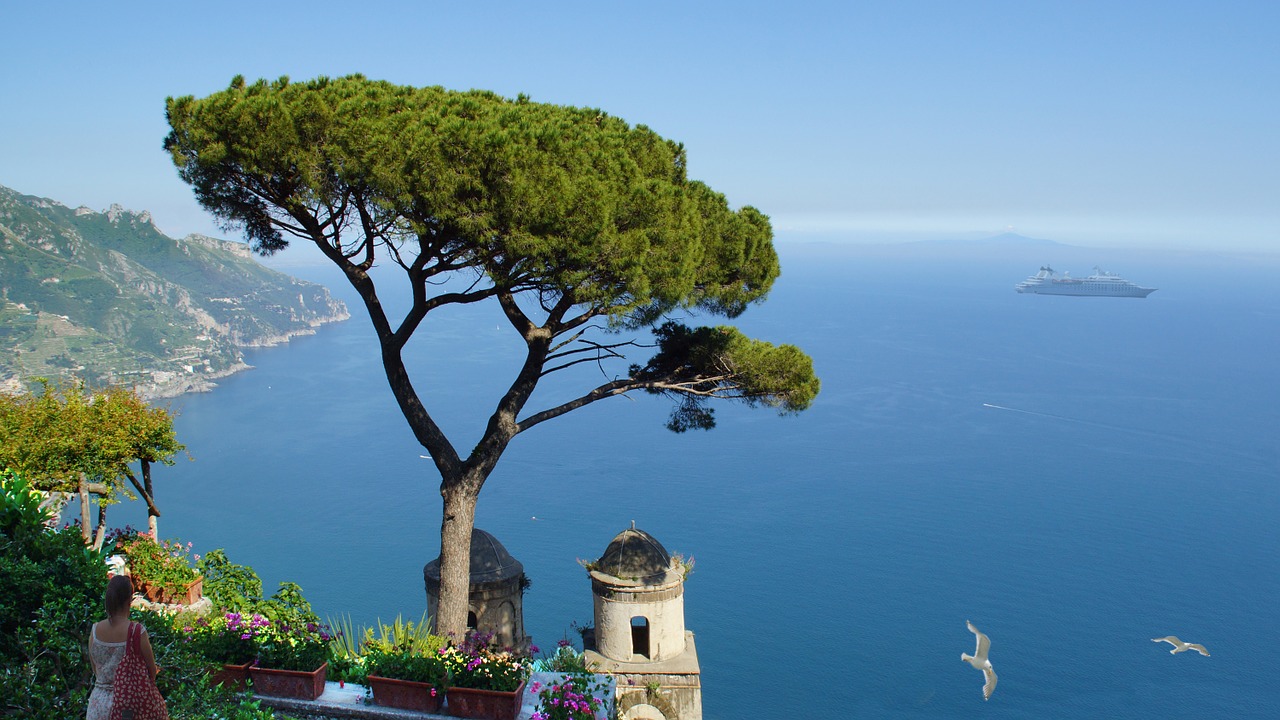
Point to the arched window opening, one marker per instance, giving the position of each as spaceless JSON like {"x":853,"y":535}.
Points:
{"x":472,"y":622}
{"x":640,"y":637}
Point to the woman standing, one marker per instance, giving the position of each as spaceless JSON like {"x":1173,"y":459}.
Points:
{"x":107,"y":645}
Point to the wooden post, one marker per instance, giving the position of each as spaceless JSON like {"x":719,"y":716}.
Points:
{"x":84,"y":508}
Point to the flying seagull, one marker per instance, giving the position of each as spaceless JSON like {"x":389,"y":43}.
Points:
{"x":1179,"y":646}
{"x":979,"y":660}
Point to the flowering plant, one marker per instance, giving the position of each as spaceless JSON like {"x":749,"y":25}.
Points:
{"x":421,"y":667}
{"x":574,"y":698}
{"x":564,"y":659}
{"x":298,"y":646}
{"x":406,"y":651}
{"x":226,"y":639}
{"x":163,"y":565}
{"x":475,"y":664}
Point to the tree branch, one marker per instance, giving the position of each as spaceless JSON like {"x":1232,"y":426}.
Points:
{"x":142,"y":493}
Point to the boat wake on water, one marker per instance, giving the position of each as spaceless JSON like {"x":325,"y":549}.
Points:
{"x":1173,"y":439}
{"x":1082,"y":421}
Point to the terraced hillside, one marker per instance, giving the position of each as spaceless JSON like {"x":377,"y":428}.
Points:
{"x":108,"y":298}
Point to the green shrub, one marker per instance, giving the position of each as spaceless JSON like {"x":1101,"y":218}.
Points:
{"x":51,"y":591}
{"x":408,"y":665}
{"x":231,"y":587}
{"x":405,"y":651}
{"x":20,"y":511}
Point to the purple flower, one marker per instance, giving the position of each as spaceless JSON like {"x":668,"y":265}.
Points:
{"x":533,"y":649}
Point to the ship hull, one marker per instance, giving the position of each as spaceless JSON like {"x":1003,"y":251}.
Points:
{"x":1134,"y":292}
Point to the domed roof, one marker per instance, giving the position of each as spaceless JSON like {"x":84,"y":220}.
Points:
{"x":634,"y":553}
{"x":490,"y":561}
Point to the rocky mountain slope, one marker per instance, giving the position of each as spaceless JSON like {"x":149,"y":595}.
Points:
{"x":108,"y":298}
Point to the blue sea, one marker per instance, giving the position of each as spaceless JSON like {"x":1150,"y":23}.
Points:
{"x":1074,"y":475}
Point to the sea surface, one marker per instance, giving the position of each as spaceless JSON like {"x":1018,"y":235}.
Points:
{"x":1075,"y":476}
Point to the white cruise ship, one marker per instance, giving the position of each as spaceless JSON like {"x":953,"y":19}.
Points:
{"x":1099,"y":284}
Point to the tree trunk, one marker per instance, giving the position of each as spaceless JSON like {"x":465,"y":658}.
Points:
{"x":455,"y":560}
{"x":84,"y":508}
{"x":151,"y":513}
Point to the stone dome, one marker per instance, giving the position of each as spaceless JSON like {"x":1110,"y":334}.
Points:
{"x":634,"y":554}
{"x":490,"y":561}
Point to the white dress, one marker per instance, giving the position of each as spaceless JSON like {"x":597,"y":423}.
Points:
{"x":106,"y":655}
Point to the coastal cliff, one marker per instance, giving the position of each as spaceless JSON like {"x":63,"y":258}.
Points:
{"x":105,"y":297}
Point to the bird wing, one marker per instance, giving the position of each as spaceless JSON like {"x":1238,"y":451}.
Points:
{"x":990,"y":674}
{"x":1169,"y":639}
{"x":984,"y":642}
{"x":1198,"y":648}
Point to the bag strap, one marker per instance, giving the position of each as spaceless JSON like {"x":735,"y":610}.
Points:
{"x":132,"y":645}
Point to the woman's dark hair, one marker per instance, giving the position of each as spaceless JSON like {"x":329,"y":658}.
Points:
{"x":119,"y":594}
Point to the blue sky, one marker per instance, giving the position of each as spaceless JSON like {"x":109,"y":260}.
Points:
{"x":1145,"y":124}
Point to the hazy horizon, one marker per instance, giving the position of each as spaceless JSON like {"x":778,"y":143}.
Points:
{"x":1132,"y":125}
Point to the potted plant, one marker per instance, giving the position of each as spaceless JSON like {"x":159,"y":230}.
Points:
{"x":405,"y":667}
{"x":407,"y":679}
{"x":227,"y":641}
{"x":576,"y":696}
{"x":162,"y":570}
{"x":292,"y":658}
{"x":485,"y":682}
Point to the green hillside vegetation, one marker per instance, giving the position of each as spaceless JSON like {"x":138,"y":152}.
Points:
{"x":109,"y":299}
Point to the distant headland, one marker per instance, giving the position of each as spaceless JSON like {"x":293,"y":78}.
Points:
{"x":107,"y":298}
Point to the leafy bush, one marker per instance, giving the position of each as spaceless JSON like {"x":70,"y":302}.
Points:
{"x":285,"y":632}
{"x":51,"y":588}
{"x":225,"y":639}
{"x":21,"y":511}
{"x":231,"y":587}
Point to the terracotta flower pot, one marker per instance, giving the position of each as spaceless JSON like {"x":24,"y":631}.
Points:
{"x":405,"y":694}
{"x":186,"y":596}
{"x":231,"y":677}
{"x":298,"y":684}
{"x":487,"y":704}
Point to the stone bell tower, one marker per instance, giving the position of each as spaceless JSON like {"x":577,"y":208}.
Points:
{"x":639,"y":635}
{"x":495,"y":603}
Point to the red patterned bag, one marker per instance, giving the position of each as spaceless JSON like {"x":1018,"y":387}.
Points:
{"x":134,"y":695}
